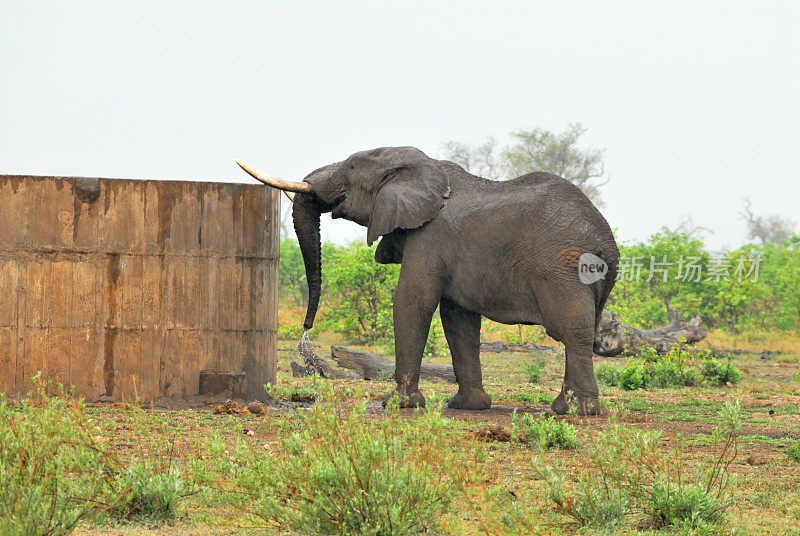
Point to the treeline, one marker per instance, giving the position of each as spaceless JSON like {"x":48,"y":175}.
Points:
{"x":754,"y":286}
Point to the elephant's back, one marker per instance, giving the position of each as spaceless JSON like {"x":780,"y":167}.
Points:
{"x":541,"y":201}
{"x":535,"y":216}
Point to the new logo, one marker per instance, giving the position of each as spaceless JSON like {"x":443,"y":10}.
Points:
{"x":591,"y":268}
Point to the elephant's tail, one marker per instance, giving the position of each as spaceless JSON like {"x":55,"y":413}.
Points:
{"x":600,"y":303}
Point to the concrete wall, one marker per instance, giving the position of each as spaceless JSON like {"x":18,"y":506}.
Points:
{"x":128,"y":288}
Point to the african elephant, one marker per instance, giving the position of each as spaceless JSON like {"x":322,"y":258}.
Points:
{"x":509,"y":251}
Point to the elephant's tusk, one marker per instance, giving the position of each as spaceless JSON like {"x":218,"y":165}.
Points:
{"x":280,"y":184}
{"x":290,"y":195}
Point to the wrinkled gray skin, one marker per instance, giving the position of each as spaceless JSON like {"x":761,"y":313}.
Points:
{"x":504,"y":250}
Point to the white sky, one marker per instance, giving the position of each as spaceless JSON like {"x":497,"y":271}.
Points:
{"x":697,"y":103}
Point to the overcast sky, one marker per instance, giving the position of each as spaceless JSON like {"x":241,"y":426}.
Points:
{"x":697,"y":103}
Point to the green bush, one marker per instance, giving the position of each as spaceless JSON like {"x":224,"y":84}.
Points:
{"x":360,"y":295}
{"x":292,"y":272}
{"x":53,"y":471}
{"x":669,"y":373}
{"x":359,"y":299}
{"x":720,"y":372}
{"x":607,"y":373}
{"x":342,"y":473}
{"x":678,"y":367}
{"x":632,"y":375}
{"x":290,"y":332}
{"x":794,"y":451}
{"x":674,"y":504}
{"x":543,"y":431}
{"x":149,"y":491}
{"x":533,"y":371}
{"x":631,"y":473}
{"x":598,"y":505}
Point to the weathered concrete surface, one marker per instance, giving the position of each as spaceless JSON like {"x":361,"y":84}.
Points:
{"x":128,"y":288}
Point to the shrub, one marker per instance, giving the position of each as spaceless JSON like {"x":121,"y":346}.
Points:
{"x":667,"y":373}
{"x":543,"y":431}
{"x":599,"y":505}
{"x":607,"y":373}
{"x":149,"y":491}
{"x":360,"y":295}
{"x":341,"y":473}
{"x":673,"y":504}
{"x":53,"y":472}
{"x":533,"y":371}
{"x":292,"y":272}
{"x":768,"y":301}
{"x":794,"y":451}
{"x":632,"y":375}
{"x":631,"y":473}
{"x":290,"y":332}
{"x":677,"y":367}
{"x":720,"y":372}
{"x":359,"y":299}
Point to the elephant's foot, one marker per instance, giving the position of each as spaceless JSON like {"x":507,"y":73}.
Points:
{"x":470,"y":399}
{"x":585,"y":405}
{"x":408,"y":398}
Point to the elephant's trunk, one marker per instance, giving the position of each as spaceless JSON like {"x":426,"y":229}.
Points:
{"x":306,"y":213}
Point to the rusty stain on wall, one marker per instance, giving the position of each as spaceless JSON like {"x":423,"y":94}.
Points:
{"x":129,"y":288}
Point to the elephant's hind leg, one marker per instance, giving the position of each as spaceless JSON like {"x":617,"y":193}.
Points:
{"x":462,"y":329}
{"x":579,"y":380}
{"x":571,"y":318}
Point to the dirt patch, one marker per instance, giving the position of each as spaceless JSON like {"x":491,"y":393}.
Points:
{"x":493,"y":433}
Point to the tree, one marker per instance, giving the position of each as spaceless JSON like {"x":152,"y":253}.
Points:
{"x":688,"y":227}
{"x":535,"y":150}
{"x":768,"y":229}
{"x":479,"y":160}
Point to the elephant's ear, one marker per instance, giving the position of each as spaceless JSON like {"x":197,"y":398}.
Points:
{"x":408,"y":196}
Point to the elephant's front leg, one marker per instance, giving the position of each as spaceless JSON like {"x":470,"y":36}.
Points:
{"x":415,"y":300}
{"x":462,"y":328}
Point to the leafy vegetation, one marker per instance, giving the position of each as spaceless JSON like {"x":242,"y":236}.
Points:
{"x":666,"y":265}
{"x":632,"y":473}
{"x":794,"y":451}
{"x":53,"y":471}
{"x":543,"y":431}
{"x":678,"y":367}
{"x":533,"y":371}
{"x":149,"y":491}
{"x":164,"y":457}
{"x":357,"y":294}
{"x":338,"y":472}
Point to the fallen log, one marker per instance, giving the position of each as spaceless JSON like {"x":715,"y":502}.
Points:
{"x":616,"y":338}
{"x":765,"y":354}
{"x":375,"y":367}
{"x":501,"y":346}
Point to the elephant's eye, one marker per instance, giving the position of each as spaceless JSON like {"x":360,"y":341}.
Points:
{"x":352,"y":166}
